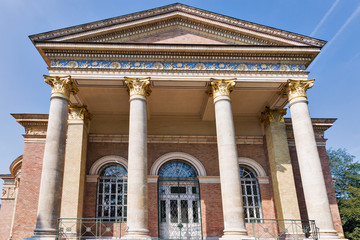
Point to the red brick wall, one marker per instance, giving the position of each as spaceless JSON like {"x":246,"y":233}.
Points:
{"x":330,"y":190}
{"x":89,"y":210}
{"x":6,"y":214}
{"x":207,"y":154}
{"x":329,"y":187}
{"x":153,"y":209}
{"x":211,"y":210}
{"x":28,"y":196}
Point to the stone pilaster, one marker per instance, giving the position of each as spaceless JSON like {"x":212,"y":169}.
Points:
{"x":137,"y":209}
{"x":54,"y":154}
{"x":233,"y":211}
{"x":75,"y":163}
{"x":312,"y":177}
{"x":282,"y":176}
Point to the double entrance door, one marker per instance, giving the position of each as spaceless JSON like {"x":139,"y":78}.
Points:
{"x":179,"y":208}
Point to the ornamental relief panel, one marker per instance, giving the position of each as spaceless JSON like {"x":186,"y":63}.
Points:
{"x":178,"y":66}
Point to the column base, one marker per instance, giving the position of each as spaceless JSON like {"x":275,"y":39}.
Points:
{"x":328,"y":235}
{"x":136,"y":237}
{"x":137,"y":234}
{"x":236,"y":237}
{"x":43,"y":234}
{"x":235,"y":234}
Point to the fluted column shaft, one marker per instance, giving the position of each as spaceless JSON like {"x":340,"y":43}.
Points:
{"x":137,"y":209}
{"x":233,"y":211}
{"x":54,"y":154}
{"x":313,"y":182}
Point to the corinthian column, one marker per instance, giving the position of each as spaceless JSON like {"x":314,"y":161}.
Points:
{"x":137,"y":209}
{"x":313,"y":182}
{"x":53,"y":161}
{"x":233,"y":211}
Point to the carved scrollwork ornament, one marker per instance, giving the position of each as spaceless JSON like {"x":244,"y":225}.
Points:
{"x":272,"y":115}
{"x":61,"y":85}
{"x":220,"y":87}
{"x":138,"y":86}
{"x":296,"y":88}
{"x":79,"y":113}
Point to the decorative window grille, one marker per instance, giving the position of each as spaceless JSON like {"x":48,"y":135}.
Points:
{"x":112,"y":192}
{"x":251,"y":193}
{"x":177,"y":169}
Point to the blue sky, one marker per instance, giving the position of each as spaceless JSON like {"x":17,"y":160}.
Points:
{"x":336,"y":69}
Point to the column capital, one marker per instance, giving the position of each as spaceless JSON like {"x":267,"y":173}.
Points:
{"x":272,"y":115}
{"x":61,"y":85}
{"x":138,"y":86}
{"x":220,"y":87}
{"x":296,"y":88}
{"x":79,"y":113}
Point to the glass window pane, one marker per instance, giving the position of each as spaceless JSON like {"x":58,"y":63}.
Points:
{"x":179,"y":190}
{"x":184,"y":211}
{"x":162,"y":211}
{"x":195,"y":211}
{"x":173,"y":211}
{"x":111,"y":195}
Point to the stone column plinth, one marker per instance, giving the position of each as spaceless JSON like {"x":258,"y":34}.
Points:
{"x":53,"y":161}
{"x":75,"y":163}
{"x":137,"y":209}
{"x":312,"y":177}
{"x":282,"y":176}
{"x":233,"y":211}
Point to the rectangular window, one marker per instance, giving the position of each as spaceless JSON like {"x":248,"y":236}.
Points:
{"x":162,"y":211}
{"x":195,"y":209}
{"x":173,"y":211}
{"x":111,"y":198}
{"x":180,"y":190}
{"x":184,"y":211}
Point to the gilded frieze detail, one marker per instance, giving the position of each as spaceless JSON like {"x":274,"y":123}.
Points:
{"x":220,"y":87}
{"x":138,"y":86}
{"x":296,"y":88}
{"x":61,"y":85}
{"x":178,"y":66}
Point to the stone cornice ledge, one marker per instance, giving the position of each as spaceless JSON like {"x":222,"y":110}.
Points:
{"x":320,"y":125}
{"x":174,"y":139}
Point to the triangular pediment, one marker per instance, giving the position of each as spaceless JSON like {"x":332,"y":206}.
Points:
{"x":177,"y":24}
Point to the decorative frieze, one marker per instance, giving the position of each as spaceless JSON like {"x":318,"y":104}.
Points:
{"x":35,"y":126}
{"x":179,"y":66}
{"x":9,"y":187}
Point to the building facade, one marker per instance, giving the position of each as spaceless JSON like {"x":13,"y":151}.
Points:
{"x":169,"y":123}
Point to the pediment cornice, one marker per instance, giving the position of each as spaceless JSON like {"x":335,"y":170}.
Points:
{"x":251,"y":32}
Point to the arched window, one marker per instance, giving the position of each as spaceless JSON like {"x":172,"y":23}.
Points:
{"x":112,"y":192}
{"x":251,"y":193}
{"x":177,"y":169}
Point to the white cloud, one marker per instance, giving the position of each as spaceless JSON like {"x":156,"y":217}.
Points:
{"x":347,"y":22}
{"x":324,"y":18}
